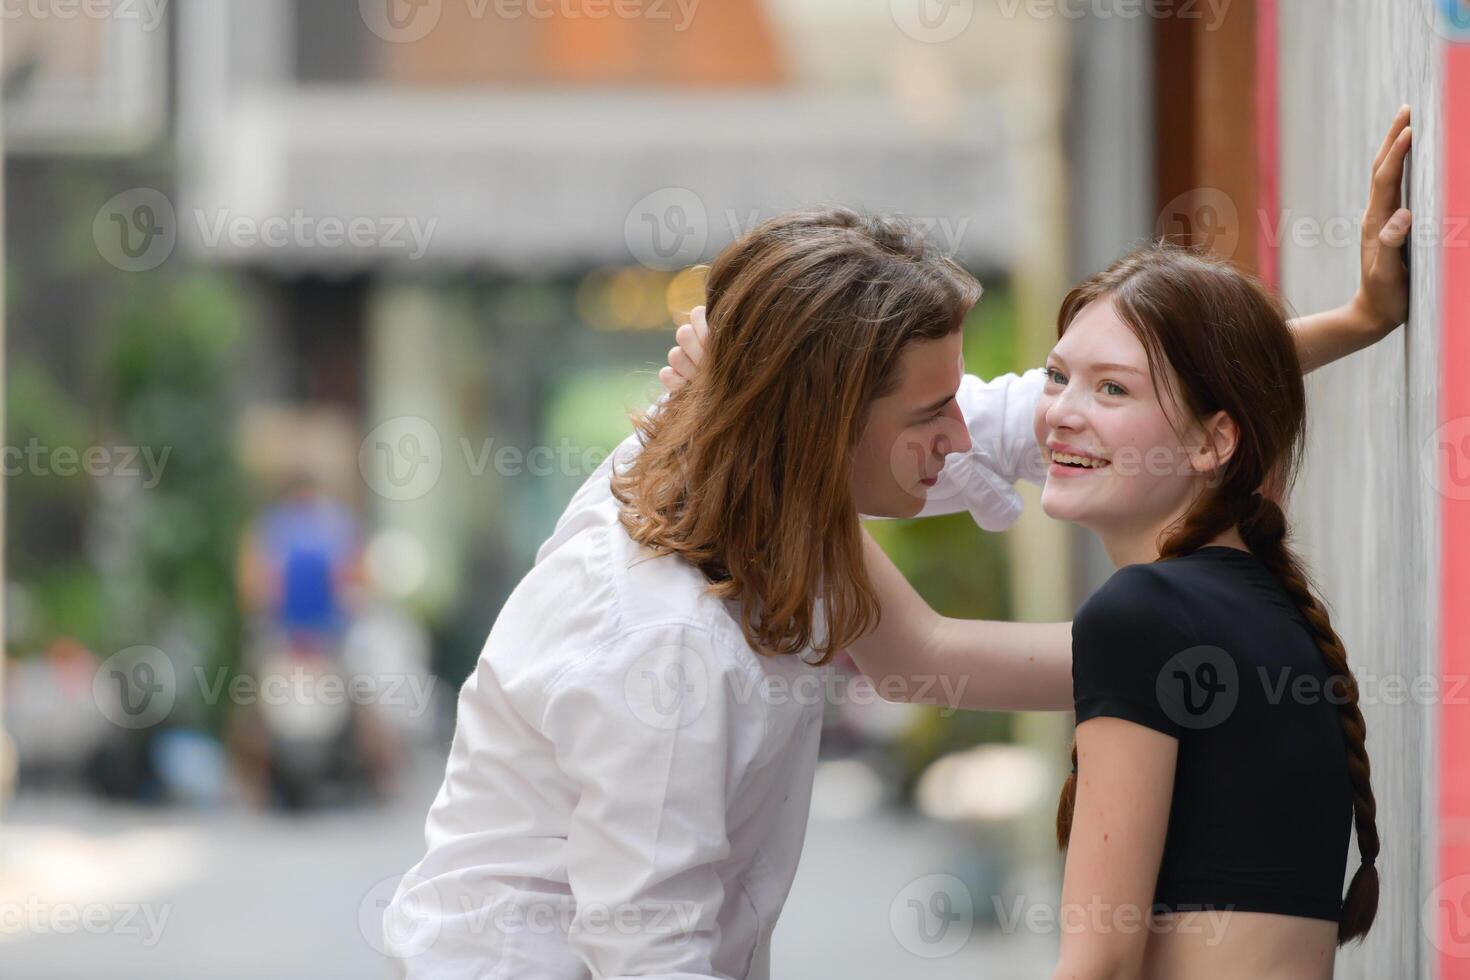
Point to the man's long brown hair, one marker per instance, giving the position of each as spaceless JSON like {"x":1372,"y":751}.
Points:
{"x":746,"y":472}
{"x":1226,"y":338}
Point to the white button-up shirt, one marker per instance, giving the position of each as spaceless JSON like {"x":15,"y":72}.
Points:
{"x":627,"y":790}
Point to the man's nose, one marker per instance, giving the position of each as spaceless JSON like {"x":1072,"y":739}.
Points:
{"x":954,"y":436}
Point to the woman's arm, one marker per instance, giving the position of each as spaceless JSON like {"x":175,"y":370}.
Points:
{"x":1380,"y":305}
{"x":1125,"y":784}
{"x":1382,"y":300}
{"x":923,"y":657}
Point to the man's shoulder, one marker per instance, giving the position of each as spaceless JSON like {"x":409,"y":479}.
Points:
{"x":595,"y":595}
{"x":610,"y":622}
{"x":591,"y":545}
{"x":593,"y":506}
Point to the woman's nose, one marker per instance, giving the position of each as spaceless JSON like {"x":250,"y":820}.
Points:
{"x":1063,"y":411}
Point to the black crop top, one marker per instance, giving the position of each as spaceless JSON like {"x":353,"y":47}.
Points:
{"x":1210,"y":649}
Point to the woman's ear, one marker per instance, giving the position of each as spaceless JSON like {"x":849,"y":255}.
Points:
{"x":1219,"y":437}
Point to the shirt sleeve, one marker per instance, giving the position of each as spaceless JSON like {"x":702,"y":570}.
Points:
{"x":1129,"y":640}
{"x":1000,"y":414}
{"x":657,"y":732}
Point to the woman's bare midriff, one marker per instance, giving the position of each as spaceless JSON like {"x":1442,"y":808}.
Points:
{"x":1239,"y":946}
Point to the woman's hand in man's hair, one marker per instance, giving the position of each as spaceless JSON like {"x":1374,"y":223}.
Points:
{"x":684,"y":360}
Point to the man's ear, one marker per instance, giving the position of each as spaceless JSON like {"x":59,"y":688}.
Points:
{"x":1219,"y":437}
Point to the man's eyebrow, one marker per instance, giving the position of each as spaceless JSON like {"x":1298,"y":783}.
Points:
{"x":931,"y":409}
{"x":1103,"y":366}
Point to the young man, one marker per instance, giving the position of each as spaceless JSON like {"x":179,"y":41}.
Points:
{"x":627,"y":790}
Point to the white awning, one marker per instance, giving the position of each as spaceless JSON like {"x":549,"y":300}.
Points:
{"x":310,"y":179}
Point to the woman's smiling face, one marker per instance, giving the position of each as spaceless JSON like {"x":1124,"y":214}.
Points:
{"x":1100,"y":404}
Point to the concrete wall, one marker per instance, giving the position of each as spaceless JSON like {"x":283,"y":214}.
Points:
{"x":1365,"y":513}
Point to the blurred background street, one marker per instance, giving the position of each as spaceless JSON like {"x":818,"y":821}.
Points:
{"x":244,"y":895}
{"x":320,"y":311}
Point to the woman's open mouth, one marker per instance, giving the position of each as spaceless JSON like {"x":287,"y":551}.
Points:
{"x":1072,"y":464}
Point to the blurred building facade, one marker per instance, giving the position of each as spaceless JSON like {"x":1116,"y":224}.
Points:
{"x":596,"y":158}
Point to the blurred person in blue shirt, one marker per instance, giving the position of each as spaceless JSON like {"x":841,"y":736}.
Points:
{"x":301,"y":559}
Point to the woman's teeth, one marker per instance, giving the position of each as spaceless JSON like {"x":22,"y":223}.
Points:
{"x":1069,"y":460}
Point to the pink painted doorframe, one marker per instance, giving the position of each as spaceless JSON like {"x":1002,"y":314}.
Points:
{"x":1452,"y":443}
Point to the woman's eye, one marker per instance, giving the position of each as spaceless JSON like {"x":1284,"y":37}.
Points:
{"x":1120,"y":390}
{"x":1055,"y":376}
{"x":933,"y":418}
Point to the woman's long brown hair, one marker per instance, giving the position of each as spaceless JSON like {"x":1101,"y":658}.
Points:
{"x":746,"y":472}
{"x":1226,"y":340}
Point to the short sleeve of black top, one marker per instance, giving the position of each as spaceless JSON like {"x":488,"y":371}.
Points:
{"x":1126,"y":638}
{"x":1209,"y":649}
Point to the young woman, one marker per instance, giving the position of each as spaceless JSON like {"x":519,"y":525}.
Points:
{"x":1219,"y":759}
{"x":1219,"y":762}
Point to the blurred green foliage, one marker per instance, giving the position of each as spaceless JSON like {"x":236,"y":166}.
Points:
{"x":118,"y":559}
{"x":169,"y":371}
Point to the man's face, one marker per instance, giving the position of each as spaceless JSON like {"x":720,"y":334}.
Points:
{"x":910,"y":430}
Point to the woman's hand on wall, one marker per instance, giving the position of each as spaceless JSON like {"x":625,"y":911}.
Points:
{"x":1382,"y":301}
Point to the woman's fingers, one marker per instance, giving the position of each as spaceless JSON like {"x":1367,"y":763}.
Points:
{"x":1396,"y":230}
{"x":684,"y":359}
{"x":701,"y":326}
{"x":689,"y":340}
{"x":1388,"y":178}
{"x":1400,"y":120}
{"x":682,"y":365}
